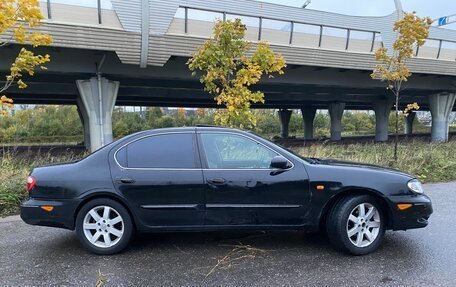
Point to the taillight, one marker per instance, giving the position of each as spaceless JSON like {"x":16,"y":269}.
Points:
{"x":31,"y":181}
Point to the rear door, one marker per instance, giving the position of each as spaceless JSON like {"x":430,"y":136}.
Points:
{"x":242,"y":189}
{"x":161,"y":177}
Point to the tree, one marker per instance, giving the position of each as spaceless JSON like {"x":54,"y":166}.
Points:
{"x":200,"y":113}
{"x":18,"y":22}
{"x":181,"y":117}
{"x":230,"y":68}
{"x":412,"y":32}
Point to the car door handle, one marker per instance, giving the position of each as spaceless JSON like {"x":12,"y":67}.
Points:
{"x":126,"y":180}
{"x":217,"y":181}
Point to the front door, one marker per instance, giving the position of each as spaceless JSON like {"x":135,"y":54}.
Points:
{"x":242,"y":189}
{"x":161,"y":176}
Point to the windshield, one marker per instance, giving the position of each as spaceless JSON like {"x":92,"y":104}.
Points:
{"x":286,"y":150}
{"x":308,"y":159}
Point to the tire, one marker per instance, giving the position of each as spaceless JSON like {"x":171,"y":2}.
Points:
{"x":110,"y":231}
{"x":346,"y":219}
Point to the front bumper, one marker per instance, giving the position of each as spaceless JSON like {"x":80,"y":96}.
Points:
{"x":414,"y":217}
{"x":62,"y":215}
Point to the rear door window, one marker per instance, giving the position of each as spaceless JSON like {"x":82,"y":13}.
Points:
{"x":160,"y":151}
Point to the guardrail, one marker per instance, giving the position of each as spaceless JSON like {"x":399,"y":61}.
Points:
{"x":94,"y":12}
{"x":200,"y":22}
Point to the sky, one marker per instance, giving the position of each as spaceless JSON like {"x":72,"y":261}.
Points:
{"x":431,"y":8}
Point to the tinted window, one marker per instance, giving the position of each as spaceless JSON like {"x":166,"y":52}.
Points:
{"x":232,"y":151}
{"x":161,"y":151}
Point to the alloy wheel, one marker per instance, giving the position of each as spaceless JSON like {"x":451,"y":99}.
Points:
{"x":363,"y":225}
{"x":103,"y":226}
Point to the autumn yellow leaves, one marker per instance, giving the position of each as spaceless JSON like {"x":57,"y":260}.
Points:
{"x":228,"y":67}
{"x":18,"y":22}
{"x":412,"y":31}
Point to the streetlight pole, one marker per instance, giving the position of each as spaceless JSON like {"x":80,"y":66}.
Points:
{"x":306,"y":4}
{"x":399,"y":9}
{"x":398,"y":5}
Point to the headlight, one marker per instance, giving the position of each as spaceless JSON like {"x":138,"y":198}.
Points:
{"x":415,"y":186}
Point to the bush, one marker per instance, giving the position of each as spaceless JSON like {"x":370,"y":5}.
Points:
{"x":126,"y":123}
{"x":268,"y":123}
{"x":52,"y":124}
{"x":165,"y":122}
{"x":358,"y":122}
{"x":42,"y":124}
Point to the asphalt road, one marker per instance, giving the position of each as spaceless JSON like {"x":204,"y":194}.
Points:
{"x":43,"y":256}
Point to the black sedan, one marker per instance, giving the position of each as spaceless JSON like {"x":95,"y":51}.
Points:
{"x":206,"y":178}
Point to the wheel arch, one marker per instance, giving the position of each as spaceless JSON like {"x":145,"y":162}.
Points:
{"x":356,"y":191}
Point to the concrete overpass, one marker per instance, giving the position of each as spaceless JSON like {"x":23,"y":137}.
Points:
{"x":134,"y":53}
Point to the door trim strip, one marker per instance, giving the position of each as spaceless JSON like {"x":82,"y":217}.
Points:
{"x":170,"y":206}
{"x":253,"y":206}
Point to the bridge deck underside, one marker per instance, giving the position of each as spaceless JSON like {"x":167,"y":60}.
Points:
{"x":173,"y":85}
{"x":61,"y":89}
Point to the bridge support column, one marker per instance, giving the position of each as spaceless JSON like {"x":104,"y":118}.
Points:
{"x":85,"y":121}
{"x":440,"y":106}
{"x":336,"y":110}
{"x":284,"y":116}
{"x":97,"y":97}
{"x":408,"y":125}
{"x":382,"y":110}
{"x":308,"y":116}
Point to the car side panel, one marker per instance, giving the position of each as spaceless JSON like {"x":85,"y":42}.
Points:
{"x":65,"y":187}
{"x":257,"y":197}
{"x":337,"y":179}
{"x":161,"y":197}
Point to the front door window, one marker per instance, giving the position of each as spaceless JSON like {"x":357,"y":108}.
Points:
{"x":227,"y":151}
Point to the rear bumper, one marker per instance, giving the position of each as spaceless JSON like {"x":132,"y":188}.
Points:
{"x":61,"y":216}
{"x":414,"y":217}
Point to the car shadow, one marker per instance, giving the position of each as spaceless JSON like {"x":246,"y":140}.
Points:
{"x":397,"y":242}
{"x":271,"y":245}
{"x":263,"y":239}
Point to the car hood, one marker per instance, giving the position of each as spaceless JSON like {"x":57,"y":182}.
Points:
{"x":342,"y":163}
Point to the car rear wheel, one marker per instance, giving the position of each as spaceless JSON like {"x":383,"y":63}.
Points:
{"x":104,"y":226}
{"x":356,"y":224}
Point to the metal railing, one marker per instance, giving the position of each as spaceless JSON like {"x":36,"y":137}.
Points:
{"x":292,"y":37}
{"x":427,"y":51}
{"x":289,"y":34}
{"x":98,"y":4}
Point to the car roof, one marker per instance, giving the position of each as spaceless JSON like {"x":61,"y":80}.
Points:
{"x":195,"y":128}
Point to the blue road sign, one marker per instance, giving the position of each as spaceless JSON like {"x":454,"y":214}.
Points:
{"x":443,"y":21}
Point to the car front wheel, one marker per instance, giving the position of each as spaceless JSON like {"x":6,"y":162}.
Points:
{"x":356,"y":224}
{"x":104,"y":226}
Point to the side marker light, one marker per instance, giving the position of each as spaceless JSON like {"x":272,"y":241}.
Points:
{"x":47,"y":208}
{"x":404,"y":206}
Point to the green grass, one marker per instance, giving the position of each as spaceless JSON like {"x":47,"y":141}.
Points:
{"x":13,"y":174}
{"x":431,"y":162}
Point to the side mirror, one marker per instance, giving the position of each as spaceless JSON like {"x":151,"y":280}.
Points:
{"x":280,"y":162}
